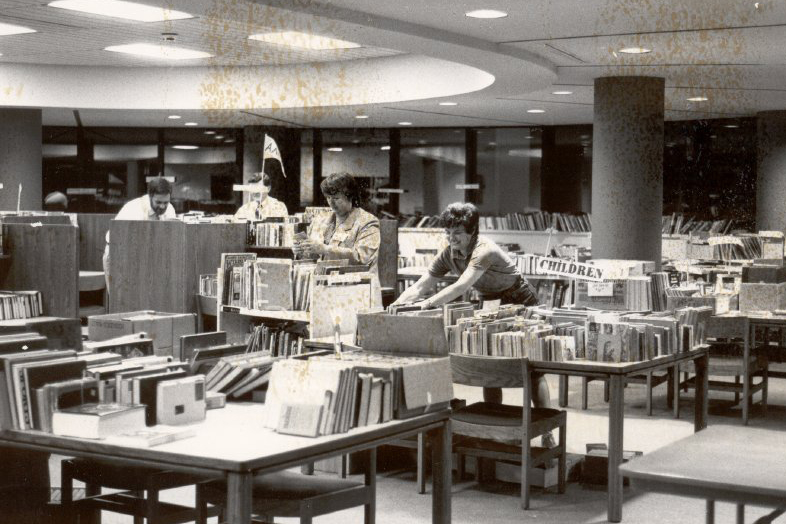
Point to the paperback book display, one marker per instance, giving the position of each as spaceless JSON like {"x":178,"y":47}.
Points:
{"x":208,"y":285}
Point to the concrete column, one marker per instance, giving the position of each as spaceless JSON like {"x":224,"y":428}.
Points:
{"x":627,"y":168}
{"x":20,"y":158}
{"x":771,"y":171}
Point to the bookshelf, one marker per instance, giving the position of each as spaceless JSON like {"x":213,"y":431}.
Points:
{"x":43,"y":258}
{"x":156,"y":264}
{"x":411,"y":239}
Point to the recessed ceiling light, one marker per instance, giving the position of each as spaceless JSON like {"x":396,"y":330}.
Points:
{"x":303,"y":41}
{"x":405,"y":123}
{"x":635,"y":50}
{"x":355,"y":140}
{"x":11,"y":29}
{"x":120,"y":9}
{"x":536,"y":111}
{"x":158,"y":51}
{"x":385,"y":148}
{"x":562,"y":92}
{"x":174,"y":117}
{"x":185,"y":147}
{"x":210,"y":132}
{"x":360,"y":117}
{"x":731,"y":126}
{"x":422,"y":142}
{"x":192,"y":123}
{"x":529,"y":137}
{"x":697,"y":99}
{"x":219,"y":137}
{"x":229,"y":141}
{"x":335,"y":149}
{"x":492,"y":144}
{"x":448,"y":103}
{"x":486,"y":13}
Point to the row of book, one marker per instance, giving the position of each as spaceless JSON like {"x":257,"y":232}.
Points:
{"x":275,"y":232}
{"x":265,"y":283}
{"x":680,"y":224}
{"x":208,"y":285}
{"x":416,"y":260}
{"x":538,"y":221}
{"x":530,"y":221}
{"x":332,"y":394}
{"x":277,"y":340}
{"x":20,"y":304}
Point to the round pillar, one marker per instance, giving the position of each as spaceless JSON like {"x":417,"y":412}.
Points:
{"x":771,"y":171}
{"x":627,"y":168}
{"x":20,"y":158}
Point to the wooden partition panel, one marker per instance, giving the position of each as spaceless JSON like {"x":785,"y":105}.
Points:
{"x":32,"y":219}
{"x":92,"y":239}
{"x":156,"y":264}
{"x":44,"y":258}
{"x":205,"y":243}
{"x":388,"y":253}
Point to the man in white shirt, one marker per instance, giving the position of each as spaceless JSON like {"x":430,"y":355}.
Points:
{"x":154,"y":205}
{"x":261,"y":205}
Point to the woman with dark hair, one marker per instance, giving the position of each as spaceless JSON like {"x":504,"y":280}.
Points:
{"x":348,"y":232}
{"x":481,"y":264}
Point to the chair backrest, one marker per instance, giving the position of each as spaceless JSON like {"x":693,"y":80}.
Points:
{"x":484,"y":371}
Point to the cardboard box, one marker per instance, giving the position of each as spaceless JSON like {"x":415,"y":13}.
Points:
{"x":719,"y":303}
{"x":762,"y":297}
{"x":164,"y":328}
{"x":61,"y":333}
{"x":540,"y":477}
{"x":595,"y":466}
{"x":764,"y":274}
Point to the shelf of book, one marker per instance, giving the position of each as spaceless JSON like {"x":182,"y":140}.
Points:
{"x":411,"y":239}
{"x":271,"y":251}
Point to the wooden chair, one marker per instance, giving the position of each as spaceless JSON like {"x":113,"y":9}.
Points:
{"x":288,"y":494}
{"x":139,"y":496}
{"x":744,"y":367}
{"x":503,"y":432}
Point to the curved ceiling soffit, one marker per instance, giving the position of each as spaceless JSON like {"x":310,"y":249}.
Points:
{"x":437,"y":64}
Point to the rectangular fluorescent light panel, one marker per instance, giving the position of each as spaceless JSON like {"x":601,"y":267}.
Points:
{"x":11,"y":29}
{"x":164,"y":51}
{"x":121,"y":9}
{"x":303,"y":41}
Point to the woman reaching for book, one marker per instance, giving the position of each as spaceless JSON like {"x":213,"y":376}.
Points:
{"x":480,"y":264}
{"x":348,"y":232}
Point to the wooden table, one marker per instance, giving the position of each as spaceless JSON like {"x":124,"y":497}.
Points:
{"x":727,"y":463}
{"x":233,"y":443}
{"x":616,"y":374}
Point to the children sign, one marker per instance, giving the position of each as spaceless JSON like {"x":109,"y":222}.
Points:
{"x":570,"y":268}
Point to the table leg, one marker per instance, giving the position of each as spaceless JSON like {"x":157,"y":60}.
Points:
{"x":616,"y":414}
{"x":563,"y":391}
{"x":676,"y":388}
{"x":746,"y":377}
{"x":701,"y":402}
{"x":740,"y":514}
{"x":441,"y":471}
{"x":710,"y":512}
{"x":239,"y":498}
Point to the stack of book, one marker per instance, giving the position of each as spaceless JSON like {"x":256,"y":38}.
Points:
{"x":239,"y":375}
{"x":20,"y":304}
